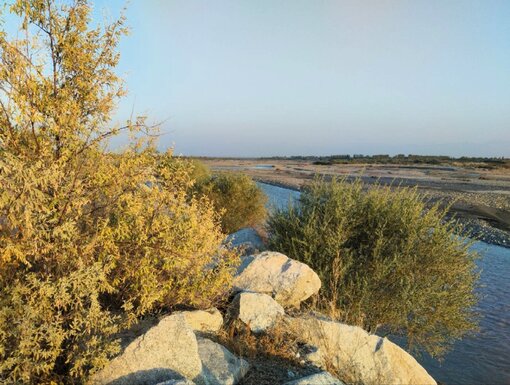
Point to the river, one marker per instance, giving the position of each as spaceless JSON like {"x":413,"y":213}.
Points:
{"x":480,"y":359}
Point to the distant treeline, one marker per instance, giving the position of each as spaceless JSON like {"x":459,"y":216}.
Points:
{"x":494,"y":162}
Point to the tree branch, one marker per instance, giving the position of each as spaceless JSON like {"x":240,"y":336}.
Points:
{"x":144,"y":128}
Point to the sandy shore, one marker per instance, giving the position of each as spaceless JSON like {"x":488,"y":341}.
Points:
{"x":481,"y":197}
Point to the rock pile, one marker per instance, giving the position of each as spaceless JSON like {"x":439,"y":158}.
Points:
{"x":182,"y":350}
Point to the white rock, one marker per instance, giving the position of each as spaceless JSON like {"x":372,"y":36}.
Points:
{"x":209,"y":321}
{"x":177,"y":382}
{"x":288,"y":281}
{"x":258,"y":311}
{"x":247,"y":239}
{"x":220,"y":367}
{"x":363,"y":358}
{"x":316,"y":358}
{"x":167,"y":350}
{"x":322,"y":378}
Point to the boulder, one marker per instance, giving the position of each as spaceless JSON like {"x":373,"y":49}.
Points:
{"x":288,"y":281}
{"x":362,"y":357}
{"x":247,"y":239}
{"x":258,"y":311}
{"x":220,"y":367}
{"x":177,"y":382}
{"x":322,"y":378}
{"x":209,"y":321}
{"x":167,"y":351}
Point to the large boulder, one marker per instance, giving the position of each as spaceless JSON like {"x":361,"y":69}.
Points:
{"x":209,"y":321}
{"x":166,"y":351}
{"x":360,"y":356}
{"x":258,"y":311}
{"x":220,"y":367}
{"x":288,"y":281}
{"x":322,"y":378}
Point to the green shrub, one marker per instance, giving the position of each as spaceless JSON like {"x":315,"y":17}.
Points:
{"x":385,"y":260}
{"x":191,"y":172}
{"x":89,"y":241}
{"x":237,"y":197}
{"x":201,"y":172}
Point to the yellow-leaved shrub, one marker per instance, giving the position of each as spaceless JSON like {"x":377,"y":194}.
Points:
{"x":90,"y":241}
{"x":241,"y":202}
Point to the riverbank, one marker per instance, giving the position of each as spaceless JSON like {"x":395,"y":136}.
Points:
{"x":478,"y":198}
{"x":475,"y":228}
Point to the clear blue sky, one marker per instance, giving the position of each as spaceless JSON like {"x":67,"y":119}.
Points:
{"x":287,"y":77}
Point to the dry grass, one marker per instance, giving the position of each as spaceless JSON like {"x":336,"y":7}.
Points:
{"x":273,"y":356}
{"x":277,"y":342}
{"x":280,"y":354}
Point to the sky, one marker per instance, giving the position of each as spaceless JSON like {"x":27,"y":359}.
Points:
{"x":318,"y":77}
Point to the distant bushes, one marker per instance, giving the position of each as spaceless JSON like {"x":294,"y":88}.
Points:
{"x":409,"y":160}
{"x":385,"y":260}
{"x":238,"y":198}
{"x":200,"y":173}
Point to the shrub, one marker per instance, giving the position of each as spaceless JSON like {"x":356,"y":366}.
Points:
{"x":238,"y":197}
{"x":89,"y":241}
{"x":201,"y":172}
{"x":385,"y":260}
{"x":40,"y":318}
{"x":191,"y":173}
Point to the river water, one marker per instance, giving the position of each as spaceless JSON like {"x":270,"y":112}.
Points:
{"x":480,"y":359}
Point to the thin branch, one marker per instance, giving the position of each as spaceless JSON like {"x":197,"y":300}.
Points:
{"x":35,"y":137}
{"x":9,"y":123}
{"x":145,"y":129}
{"x":70,"y":194}
{"x":27,"y":59}
{"x":54,"y":65}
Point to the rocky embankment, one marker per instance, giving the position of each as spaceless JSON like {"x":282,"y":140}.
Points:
{"x":481,"y":231}
{"x":185,"y":348}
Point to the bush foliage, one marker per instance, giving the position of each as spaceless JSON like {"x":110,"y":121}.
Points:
{"x":201,"y":172}
{"x":237,"y":197}
{"x":90,"y":241}
{"x":385,"y":260}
